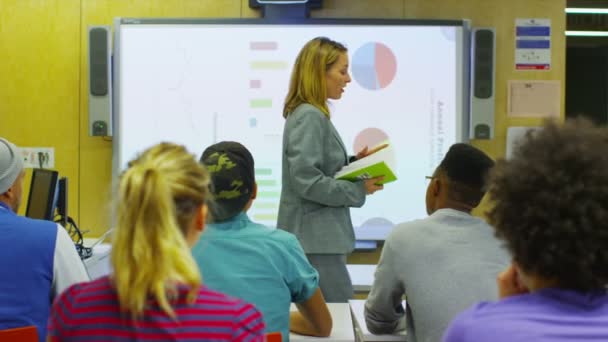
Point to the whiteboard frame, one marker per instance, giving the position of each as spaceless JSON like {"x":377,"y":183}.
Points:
{"x":463,"y":54}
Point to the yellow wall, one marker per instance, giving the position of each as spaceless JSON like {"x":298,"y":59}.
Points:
{"x":96,"y":153}
{"x":43,"y":71}
{"x":39,"y":78}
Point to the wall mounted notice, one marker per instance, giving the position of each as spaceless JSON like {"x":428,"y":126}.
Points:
{"x":515,"y":136}
{"x":540,"y":99}
{"x":532,"y":44}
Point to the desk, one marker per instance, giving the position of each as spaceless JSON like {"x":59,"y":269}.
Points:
{"x":377,"y":233}
{"x":362,"y":277}
{"x":98,"y":265}
{"x":366,"y":245}
{"x":357,"y":306}
{"x":342,"y":330}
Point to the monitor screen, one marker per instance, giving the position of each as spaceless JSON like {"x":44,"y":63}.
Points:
{"x":199,"y":82}
{"x":62,"y":200}
{"x":41,"y":201}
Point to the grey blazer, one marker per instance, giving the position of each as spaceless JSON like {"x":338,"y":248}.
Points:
{"x":314,"y":206}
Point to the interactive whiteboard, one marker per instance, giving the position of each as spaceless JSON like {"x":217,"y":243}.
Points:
{"x":196,"y":82}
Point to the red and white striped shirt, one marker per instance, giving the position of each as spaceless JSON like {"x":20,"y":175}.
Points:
{"x":90,"y":312}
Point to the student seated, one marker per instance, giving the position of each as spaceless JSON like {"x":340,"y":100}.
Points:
{"x":155,"y":291}
{"x":262,"y":265}
{"x":551,"y":210}
{"x":38,"y":259}
{"x":443,"y":263}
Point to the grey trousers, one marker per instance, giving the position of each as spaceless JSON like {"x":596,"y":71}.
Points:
{"x":334,"y":279}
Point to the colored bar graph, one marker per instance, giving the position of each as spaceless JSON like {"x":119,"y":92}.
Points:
{"x":268,"y":65}
{"x":263,"y":45}
{"x":255,"y":84}
{"x":265,"y":205}
{"x":263,"y":172}
{"x":267,"y":182}
{"x":260,"y":103}
{"x":265,"y":217}
{"x":268,"y":194}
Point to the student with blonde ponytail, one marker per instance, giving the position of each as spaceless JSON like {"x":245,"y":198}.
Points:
{"x":155,"y":291}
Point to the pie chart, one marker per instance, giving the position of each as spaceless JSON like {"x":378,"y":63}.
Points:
{"x":369,"y":137}
{"x":374,"y":66}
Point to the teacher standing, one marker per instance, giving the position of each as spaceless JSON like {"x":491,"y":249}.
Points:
{"x":314,"y":206}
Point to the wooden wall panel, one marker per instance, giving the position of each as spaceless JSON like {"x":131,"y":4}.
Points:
{"x":96,"y":153}
{"x":39,"y":81}
{"x":386,"y":9}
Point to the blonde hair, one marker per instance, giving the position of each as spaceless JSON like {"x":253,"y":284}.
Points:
{"x":308,"y":78}
{"x":158,"y":197}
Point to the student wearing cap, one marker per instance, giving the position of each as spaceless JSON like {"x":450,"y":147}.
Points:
{"x":46,"y":257}
{"x":262,"y":265}
{"x":443,"y":263}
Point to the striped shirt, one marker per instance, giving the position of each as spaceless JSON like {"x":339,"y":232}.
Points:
{"x":90,"y":312}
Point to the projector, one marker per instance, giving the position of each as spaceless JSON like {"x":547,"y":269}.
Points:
{"x":281,"y":2}
{"x":315,"y":4}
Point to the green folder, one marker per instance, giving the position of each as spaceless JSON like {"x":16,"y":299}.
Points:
{"x":371,"y":171}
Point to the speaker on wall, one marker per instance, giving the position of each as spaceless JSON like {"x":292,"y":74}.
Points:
{"x":100,"y":81}
{"x":483,"y":71}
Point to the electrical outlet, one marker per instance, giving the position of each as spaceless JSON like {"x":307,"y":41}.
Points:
{"x":36,"y":157}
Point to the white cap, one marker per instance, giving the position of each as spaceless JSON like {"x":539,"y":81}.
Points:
{"x":11,"y":164}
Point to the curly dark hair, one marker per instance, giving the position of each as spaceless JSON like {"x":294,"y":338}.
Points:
{"x":551,"y":204}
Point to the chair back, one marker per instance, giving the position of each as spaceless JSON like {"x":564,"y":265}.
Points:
{"x":21,"y":334}
{"x":273,"y":337}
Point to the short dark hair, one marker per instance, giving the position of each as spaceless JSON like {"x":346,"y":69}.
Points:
{"x":466,"y":168}
{"x":551,"y":204}
{"x":231,"y":167}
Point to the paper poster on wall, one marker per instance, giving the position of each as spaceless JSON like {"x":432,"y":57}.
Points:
{"x":532,"y":44}
{"x":515,"y":135}
{"x":539,"y":99}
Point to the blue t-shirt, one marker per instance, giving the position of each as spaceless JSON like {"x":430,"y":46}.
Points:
{"x":548,"y":315}
{"x":263,"y":266}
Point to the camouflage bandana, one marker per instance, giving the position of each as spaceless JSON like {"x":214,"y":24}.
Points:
{"x":232,"y":178}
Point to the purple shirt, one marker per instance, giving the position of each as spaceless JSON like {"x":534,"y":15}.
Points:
{"x":546,"y":315}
